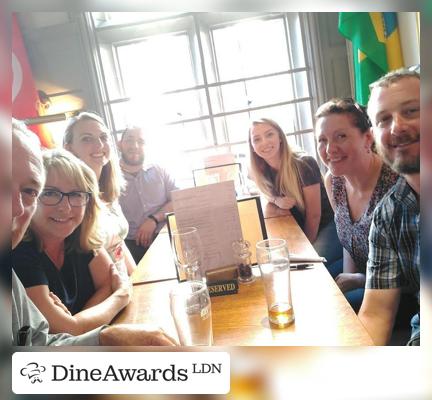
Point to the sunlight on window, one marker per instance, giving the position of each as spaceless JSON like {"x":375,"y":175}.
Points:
{"x":157,"y":64}
{"x":156,"y":80}
{"x":149,"y":69}
{"x":251,"y":48}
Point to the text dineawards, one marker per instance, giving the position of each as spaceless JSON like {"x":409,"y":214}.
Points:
{"x":113,"y":374}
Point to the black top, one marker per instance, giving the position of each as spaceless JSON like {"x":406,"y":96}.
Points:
{"x":310,"y":174}
{"x":73,"y":283}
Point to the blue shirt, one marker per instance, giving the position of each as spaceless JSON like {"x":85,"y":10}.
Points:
{"x":146,"y":192}
{"x":394,"y":241}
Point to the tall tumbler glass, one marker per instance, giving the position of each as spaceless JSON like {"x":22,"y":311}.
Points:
{"x":273,"y":260}
{"x":188,"y":253}
{"x":191,"y":310}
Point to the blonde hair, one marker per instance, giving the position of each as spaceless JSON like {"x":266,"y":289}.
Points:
{"x":111,"y":181}
{"x":86,"y":237}
{"x":288,"y":181}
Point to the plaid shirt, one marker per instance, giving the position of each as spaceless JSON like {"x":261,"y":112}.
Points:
{"x":394,"y":241}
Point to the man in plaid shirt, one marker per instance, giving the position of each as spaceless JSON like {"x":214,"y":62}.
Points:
{"x":394,"y":239}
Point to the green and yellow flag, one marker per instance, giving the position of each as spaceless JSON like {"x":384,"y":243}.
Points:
{"x":376,"y":47}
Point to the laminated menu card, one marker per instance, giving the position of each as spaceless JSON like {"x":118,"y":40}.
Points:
{"x":212,"y":209}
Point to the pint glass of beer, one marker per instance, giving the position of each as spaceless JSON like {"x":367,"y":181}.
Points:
{"x":273,"y":261}
{"x":191,"y":310}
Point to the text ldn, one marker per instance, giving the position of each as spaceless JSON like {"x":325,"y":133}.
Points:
{"x":72,"y":374}
{"x":205,"y":368}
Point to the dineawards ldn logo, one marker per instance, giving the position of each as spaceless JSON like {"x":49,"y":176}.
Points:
{"x":33,"y":371}
{"x":121,"y":372}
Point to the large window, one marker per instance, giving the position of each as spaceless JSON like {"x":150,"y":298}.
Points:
{"x":195,"y":80}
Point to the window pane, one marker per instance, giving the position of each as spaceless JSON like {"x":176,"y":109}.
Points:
{"x":111,"y":77}
{"x":236,"y":125}
{"x":251,"y":48}
{"x":184,"y":105}
{"x":220,"y":127}
{"x":284,"y":115}
{"x":304,"y":115}
{"x":259,"y":92}
{"x":122,"y":115}
{"x":274,"y":89}
{"x":156,"y":65}
{"x":301,"y":87}
{"x":296,"y":40}
{"x":188,"y":136}
{"x":229,"y":97}
{"x":307,"y":143}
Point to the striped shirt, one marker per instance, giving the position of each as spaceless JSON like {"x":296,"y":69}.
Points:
{"x":394,"y":241}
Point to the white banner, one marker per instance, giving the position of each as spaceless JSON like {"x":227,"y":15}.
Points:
{"x":121,"y":372}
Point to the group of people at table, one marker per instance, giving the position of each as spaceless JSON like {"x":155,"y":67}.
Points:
{"x":79,"y":210}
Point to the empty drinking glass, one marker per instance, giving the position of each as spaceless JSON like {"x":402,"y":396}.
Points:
{"x":187,"y":251}
{"x":191,"y":310}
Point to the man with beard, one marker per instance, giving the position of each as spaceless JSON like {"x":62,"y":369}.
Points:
{"x":147,"y":196}
{"x":394,"y":239}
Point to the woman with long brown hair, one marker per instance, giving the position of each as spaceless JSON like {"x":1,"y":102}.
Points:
{"x":292,"y":180}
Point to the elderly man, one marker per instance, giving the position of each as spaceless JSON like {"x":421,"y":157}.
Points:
{"x":147,"y":196}
{"x":394,"y":240}
{"x":29,"y":327}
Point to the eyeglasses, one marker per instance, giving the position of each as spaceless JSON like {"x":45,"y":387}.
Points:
{"x":51,"y":197}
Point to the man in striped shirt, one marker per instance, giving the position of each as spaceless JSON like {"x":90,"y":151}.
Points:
{"x":394,"y":239}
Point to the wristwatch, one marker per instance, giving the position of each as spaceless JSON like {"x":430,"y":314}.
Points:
{"x":151,"y":216}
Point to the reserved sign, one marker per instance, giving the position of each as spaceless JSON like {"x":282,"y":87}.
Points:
{"x":223,"y":288}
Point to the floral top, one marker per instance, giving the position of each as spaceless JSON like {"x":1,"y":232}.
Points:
{"x":353,"y":235}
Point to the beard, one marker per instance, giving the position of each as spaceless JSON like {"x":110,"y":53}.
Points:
{"x":404,"y":164}
{"x":133,"y":161}
{"x":406,"y":167}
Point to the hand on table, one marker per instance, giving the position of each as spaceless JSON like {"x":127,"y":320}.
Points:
{"x":285,"y":202}
{"x":135,"y":335}
{"x":58,"y":303}
{"x":121,"y":284}
{"x":145,"y":233}
{"x":349,"y":281}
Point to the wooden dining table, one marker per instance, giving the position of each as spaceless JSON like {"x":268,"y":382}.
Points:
{"x":323,"y":317}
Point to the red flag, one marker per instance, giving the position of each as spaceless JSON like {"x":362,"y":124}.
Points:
{"x":5,"y":64}
{"x":25,"y":100}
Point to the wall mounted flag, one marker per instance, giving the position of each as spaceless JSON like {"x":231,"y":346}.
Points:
{"x":25,"y":99}
{"x":376,"y":47}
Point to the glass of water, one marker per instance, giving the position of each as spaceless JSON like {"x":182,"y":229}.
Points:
{"x":191,"y":310}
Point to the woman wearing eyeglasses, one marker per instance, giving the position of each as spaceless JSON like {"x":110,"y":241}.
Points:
{"x":356,"y":181}
{"x":88,"y":138}
{"x":66,"y":271}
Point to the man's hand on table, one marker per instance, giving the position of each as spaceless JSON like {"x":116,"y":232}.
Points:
{"x":134,"y":335}
{"x":145,"y":233}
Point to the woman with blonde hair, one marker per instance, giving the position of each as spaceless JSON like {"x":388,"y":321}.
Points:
{"x":61,"y":262}
{"x":293,"y":181}
{"x":89,"y":139}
